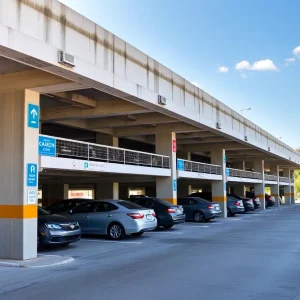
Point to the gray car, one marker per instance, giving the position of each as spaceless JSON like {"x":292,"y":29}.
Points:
{"x":114,"y":218}
{"x":199,"y":210}
{"x":234,"y":206}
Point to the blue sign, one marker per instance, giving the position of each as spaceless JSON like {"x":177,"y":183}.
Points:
{"x":224,"y":158}
{"x":225,"y":186}
{"x":32,"y":173}
{"x":47,"y":146}
{"x":33,"y":116}
{"x":175,"y":185}
{"x":227,"y":172}
{"x":180,"y":165}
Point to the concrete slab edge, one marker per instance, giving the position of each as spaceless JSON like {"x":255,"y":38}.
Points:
{"x":16,"y":265}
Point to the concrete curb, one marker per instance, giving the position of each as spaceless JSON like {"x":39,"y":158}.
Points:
{"x":27,"y":265}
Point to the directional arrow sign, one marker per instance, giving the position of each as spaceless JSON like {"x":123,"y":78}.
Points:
{"x":33,"y":116}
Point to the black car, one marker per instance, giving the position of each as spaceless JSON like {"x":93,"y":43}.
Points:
{"x":255,"y":199}
{"x":64,"y":206}
{"x":270,"y":200}
{"x":167,"y":214}
{"x":55,"y":229}
{"x":248,"y":203}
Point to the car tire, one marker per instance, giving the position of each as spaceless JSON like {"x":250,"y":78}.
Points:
{"x":167,"y":226}
{"x":116,"y":231}
{"x":40,"y":244}
{"x":137,"y":233}
{"x":198,"y":217}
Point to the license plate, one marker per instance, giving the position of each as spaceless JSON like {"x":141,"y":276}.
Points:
{"x":217,"y":208}
{"x":149,"y":217}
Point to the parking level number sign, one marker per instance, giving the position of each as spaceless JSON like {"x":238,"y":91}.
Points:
{"x":180,"y":165}
{"x":32,"y":172}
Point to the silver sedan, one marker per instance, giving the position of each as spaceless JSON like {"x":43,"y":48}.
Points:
{"x":114,"y":218}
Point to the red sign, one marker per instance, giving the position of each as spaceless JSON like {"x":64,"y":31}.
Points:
{"x":174,"y":145}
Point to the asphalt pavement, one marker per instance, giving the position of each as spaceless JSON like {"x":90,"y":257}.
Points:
{"x":254,"y":256}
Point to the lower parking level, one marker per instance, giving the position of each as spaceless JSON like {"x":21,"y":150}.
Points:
{"x":252,"y":256}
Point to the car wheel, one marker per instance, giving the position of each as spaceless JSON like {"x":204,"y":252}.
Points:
{"x":137,"y":233}
{"x":168,"y":226}
{"x":116,"y":231}
{"x":199,"y":217}
{"x":40,"y":244}
{"x":229,"y":213}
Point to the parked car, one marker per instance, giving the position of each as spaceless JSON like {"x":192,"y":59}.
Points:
{"x":55,"y":229}
{"x":114,"y":218}
{"x":248,"y":203}
{"x":199,"y":210}
{"x":64,"y":206}
{"x":255,"y":199}
{"x":234,"y":206}
{"x":167,"y":214}
{"x":270,"y":200}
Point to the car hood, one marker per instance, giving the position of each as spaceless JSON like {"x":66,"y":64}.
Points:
{"x":54,"y":218}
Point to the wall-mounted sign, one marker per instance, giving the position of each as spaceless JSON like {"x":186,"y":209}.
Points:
{"x":180,"y":165}
{"x":47,"y":146}
{"x":174,"y":148}
{"x":175,"y":185}
{"x":33,"y":116}
{"x":32,"y":175}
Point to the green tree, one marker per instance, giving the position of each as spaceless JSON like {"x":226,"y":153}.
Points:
{"x":297,"y":179}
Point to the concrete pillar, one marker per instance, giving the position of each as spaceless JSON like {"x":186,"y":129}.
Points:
{"x":292,"y":195}
{"x":240,"y":190}
{"x":19,"y":130}
{"x":165,"y":143}
{"x":287,"y":188}
{"x":274,"y":170}
{"x":107,"y":190}
{"x":239,"y":165}
{"x":54,"y":192}
{"x":218,"y":157}
{"x":259,"y":188}
{"x":108,"y":140}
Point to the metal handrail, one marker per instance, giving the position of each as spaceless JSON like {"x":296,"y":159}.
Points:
{"x":284,"y":179}
{"x":243,"y":174}
{"x":198,"y":167}
{"x":271,"y":177}
{"x":95,"y":152}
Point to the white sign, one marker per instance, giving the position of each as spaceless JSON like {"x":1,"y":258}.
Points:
{"x":31,"y":196}
{"x":94,"y":166}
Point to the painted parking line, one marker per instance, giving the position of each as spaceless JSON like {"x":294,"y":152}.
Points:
{"x":199,"y":226}
{"x":164,"y":232}
{"x":116,"y":242}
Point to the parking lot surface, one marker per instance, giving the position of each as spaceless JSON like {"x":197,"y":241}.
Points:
{"x":253,"y":256}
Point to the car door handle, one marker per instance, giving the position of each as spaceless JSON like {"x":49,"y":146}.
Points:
{"x":109,"y":216}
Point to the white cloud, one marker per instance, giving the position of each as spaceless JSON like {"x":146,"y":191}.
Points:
{"x":243,"y":65}
{"x":260,"y":65}
{"x":296,"y":51}
{"x":289,"y":61}
{"x":223,"y":69}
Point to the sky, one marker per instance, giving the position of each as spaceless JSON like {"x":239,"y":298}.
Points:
{"x":245,"y":53}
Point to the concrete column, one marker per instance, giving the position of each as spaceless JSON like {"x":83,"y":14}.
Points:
{"x":54,"y":192}
{"x":19,"y":130}
{"x":239,"y":165}
{"x":107,"y":190}
{"x":218,"y":157}
{"x":274,"y":170}
{"x":259,"y":188}
{"x":165,"y":143}
{"x":287,"y":188}
{"x":292,"y":195}
{"x":240,"y":189}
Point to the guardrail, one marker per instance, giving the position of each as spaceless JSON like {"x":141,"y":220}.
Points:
{"x":94,"y":152}
{"x":197,"y":167}
{"x":284,"y":179}
{"x":242,"y":174}
{"x":271,"y":177}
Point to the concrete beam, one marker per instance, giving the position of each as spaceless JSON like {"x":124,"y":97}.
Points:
{"x":31,"y":79}
{"x":192,"y":135}
{"x":143,"y":119}
{"x":104,"y":109}
{"x":211,"y":146}
{"x":203,"y":141}
{"x":62,"y":87}
{"x":75,"y":99}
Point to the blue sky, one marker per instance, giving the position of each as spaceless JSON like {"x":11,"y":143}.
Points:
{"x":200,"y":39}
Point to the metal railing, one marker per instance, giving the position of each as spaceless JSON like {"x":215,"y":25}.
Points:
{"x":271,"y":177}
{"x":284,"y":179}
{"x":197,"y":167}
{"x":242,"y":174}
{"x":94,"y":152}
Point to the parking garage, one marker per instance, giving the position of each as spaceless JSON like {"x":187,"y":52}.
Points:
{"x":107,"y":122}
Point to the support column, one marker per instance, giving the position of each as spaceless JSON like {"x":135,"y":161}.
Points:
{"x":165,"y":143}
{"x":292,"y":187}
{"x":54,"y":192}
{"x":107,"y":190}
{"x":19,"y":130}
{"x":259,"y":188}
{"x":287,"y":188}
{"x":218,"y":157}
{"x":274,"y":170}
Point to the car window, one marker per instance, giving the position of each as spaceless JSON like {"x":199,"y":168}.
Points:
{"x":42,"y":212}
{"x":84,"y":208}
{"x":149,"y":204}
{"x":183,"y":201}
{"x":129,"y":205}
{"x":105,"y":207}
{"x":192,"y":202}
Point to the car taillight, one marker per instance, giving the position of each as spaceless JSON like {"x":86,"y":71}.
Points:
{"x":210,"y":207}
{"x":154,"y":214}
{"x":136,"y":216}
{"x":236,"y":203}
{"x":170,"y":210}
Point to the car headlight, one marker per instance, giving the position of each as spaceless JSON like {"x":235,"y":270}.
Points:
{"x":52,"y":226}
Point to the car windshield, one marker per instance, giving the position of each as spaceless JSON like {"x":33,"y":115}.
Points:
{"x":163,"y":202}
{"x":64,"y":205}
{"x":129,"y":205}
{"x":42,"y":212}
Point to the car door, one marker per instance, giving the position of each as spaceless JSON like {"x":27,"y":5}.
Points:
{"x":187,"y":208}
{"x":81,"y":214}
{"x":104,"y":214}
